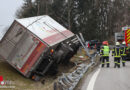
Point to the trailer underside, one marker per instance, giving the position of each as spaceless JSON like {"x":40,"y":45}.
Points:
{"x":49,"y":61}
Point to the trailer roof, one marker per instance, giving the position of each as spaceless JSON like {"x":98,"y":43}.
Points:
{"x":46,"y":28}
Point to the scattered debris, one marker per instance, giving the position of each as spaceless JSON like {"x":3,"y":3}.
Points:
{"x":70,"y":80}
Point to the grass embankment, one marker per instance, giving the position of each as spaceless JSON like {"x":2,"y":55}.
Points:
{"x":22,"y":83}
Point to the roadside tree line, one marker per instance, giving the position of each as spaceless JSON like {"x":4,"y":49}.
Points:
{"x":96,"y":19}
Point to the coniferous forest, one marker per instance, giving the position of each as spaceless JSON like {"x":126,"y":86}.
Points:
{"x":96,"y":19}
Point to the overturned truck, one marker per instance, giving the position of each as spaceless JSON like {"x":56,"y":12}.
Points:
{"x":35,"y":46}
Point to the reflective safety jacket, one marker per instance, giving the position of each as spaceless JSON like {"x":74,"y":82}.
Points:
{"x":124,"y":50}
{"x":105,"y":51}
{"x":128,"y":49}
{"x":116,"y":51}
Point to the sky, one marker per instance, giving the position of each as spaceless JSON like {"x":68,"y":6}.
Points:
{"x":8,"y":9}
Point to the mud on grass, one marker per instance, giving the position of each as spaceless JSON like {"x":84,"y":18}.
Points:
{"x":22,"y":83}
{"x":19,"y":81}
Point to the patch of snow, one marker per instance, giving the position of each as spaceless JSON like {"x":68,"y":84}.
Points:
{"x":112,"y":0}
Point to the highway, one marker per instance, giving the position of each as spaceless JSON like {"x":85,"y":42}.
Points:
{"x":108,"y":78}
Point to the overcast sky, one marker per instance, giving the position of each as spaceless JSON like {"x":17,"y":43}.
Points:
{"x":7,"y":11}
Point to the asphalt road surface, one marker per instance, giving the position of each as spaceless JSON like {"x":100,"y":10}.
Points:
{"x":109,"y":78}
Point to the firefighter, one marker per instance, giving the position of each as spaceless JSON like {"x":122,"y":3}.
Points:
{"x":105,"y":54}
{"x":116,"y":52}
{"x":128,"y":48}
{"x":123,"y":53}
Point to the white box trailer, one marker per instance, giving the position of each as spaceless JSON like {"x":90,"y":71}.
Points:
{"x":36,"y":45}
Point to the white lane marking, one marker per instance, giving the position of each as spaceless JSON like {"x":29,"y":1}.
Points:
{"x":93,"y":79}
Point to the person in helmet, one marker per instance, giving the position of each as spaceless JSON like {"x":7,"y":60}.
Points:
{"x":128,"y":49}
{"x":116,"y":52}
{"x":123,"y":53}
{"x":105,"y":54}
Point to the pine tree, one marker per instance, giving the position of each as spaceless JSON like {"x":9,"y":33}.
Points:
{"x":96,"y":19}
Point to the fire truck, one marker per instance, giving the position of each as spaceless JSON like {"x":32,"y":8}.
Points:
{"x":124,"y":35}
{"x":127,"y":40}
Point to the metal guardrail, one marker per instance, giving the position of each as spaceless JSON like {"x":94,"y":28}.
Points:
{"x":83,"y":45}
{"x":70,"y":80}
